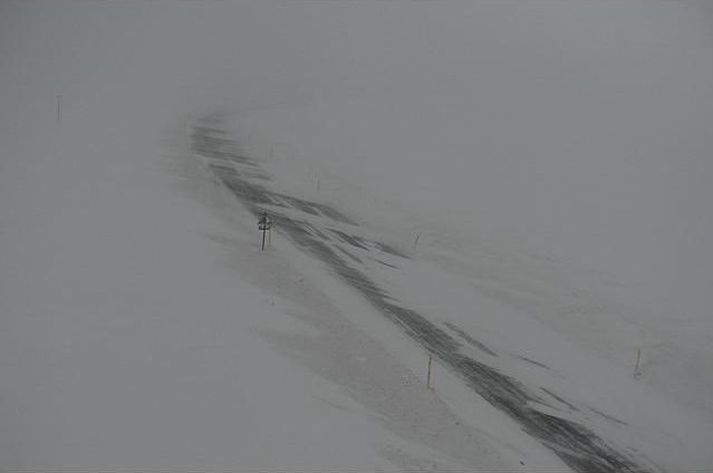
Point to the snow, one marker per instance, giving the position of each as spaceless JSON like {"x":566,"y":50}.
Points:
{"x":544,"y":166}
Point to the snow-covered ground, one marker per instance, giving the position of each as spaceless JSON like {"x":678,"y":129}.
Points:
{"x":542,"y":168}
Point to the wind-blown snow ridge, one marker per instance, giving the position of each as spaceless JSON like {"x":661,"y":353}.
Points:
{"x":328,"y":235}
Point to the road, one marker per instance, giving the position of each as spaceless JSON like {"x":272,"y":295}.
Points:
{"x":328,"y":235}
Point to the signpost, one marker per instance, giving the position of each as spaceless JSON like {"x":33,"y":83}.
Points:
{"x":264,"y":224}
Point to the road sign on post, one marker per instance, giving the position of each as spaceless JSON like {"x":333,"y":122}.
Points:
{"x":264,"y":224}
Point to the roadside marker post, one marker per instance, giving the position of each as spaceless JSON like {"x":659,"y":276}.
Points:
{"x":265,"y":225}
{"x":428,"y":373}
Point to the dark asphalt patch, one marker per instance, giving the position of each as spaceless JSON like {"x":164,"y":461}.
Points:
{"x":386,"y":248}
{"x":468,"y":338}
{"x":353,"y":240}
{"x":386,"y":264}
{"x":533,"y":362}
{"x":560,"y":399}
{"x":608,"y":417}
{"x":354,"y":258}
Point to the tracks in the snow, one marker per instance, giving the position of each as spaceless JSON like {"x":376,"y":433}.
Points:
{"x":323,"y":232}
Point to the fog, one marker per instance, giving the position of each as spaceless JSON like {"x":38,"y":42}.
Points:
{"x":577,"y":132}
{"x":578,"y":128}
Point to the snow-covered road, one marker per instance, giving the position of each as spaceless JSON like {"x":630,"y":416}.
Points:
{"x":326,"y":234}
